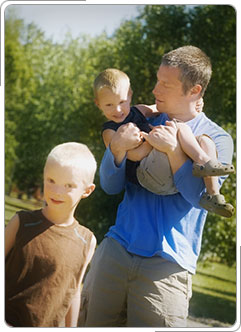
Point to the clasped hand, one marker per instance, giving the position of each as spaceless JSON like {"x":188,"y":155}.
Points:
{"x":127,"y":137}
{"x":163,"y":138}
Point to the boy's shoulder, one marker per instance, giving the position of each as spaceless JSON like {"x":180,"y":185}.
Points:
{"x":30,"y":218}
{"x":82,"y":231}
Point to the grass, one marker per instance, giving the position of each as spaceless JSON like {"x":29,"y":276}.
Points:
{"x":12,"y":205}
{"x":214,"y":293}
{"x":214,"y":284}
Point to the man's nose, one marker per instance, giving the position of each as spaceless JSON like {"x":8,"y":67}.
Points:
{"x":154,"y":91}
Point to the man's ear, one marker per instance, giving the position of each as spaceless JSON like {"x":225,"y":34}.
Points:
{"x":196,"y":89}
{"x":88,"y":191}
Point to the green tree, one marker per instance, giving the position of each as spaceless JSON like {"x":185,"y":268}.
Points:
{"x":18,"y":86}
{"x":217,"y":37}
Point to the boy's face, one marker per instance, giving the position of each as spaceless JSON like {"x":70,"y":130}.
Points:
{"x":63,"y":187}
{"x":115,"y":105}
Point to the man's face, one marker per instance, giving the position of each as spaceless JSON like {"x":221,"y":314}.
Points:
{"x":168,"y":91}
{"x":115,"y":105}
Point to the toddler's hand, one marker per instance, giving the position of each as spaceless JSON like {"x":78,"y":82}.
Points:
{"x":128,"y":136}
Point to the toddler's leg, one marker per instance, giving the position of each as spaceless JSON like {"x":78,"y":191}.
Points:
{"x":212,"y":200}
{"x":209,"y":147}
{"x":203,"y":155}
{"x":190,"y":144}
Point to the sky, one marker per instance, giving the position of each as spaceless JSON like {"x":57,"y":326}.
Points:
{"x":56,"y":20}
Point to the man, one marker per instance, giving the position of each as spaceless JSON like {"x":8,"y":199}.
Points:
{"x":141,"y":272}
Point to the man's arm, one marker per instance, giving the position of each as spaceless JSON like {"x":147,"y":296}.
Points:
{"x":113,"y":164}
{"x":112,"y":177}
{"x":164,"y":139}
{"x":140,"y":152}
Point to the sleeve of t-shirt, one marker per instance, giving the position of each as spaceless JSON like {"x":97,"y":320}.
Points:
{"x":110,"y":125}
{"x":112,"y":177}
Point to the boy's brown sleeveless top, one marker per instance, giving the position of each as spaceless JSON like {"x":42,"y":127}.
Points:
{"x":42,"y":270}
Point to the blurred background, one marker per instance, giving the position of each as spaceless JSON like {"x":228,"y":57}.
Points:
{"x":52,"y":55}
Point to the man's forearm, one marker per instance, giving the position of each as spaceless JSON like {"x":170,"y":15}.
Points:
{"x":139,"y":153}
{"x":112,"y":177}
{"x":118,"y":153}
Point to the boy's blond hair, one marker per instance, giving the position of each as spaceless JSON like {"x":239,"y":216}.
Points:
{"x":75,"y":155}
{"x":110,"y":78}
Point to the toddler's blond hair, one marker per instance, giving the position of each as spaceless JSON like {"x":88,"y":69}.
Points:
{"x":110,"y":78}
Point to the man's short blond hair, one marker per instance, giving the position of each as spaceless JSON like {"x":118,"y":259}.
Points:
{"x":195,"y":66}
{"x":77,"y":156}
{"x":110,"y":78}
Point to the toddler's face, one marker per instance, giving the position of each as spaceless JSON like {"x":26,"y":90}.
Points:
{"x":115,"y":105}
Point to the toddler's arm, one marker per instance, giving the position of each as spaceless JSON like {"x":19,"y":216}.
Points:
{"x":125,"y":139}
{"x":150,"y":110}
{"x":107,"y":136}
{"x":71,"y":319}
{"x":10,"y":233}
{"x":147,"y":110}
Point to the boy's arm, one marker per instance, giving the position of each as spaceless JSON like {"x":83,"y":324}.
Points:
{"x":107,"y":136}
{"x":71,"y":319}
{"x":150,"y":110}
{"x":10,"y":233}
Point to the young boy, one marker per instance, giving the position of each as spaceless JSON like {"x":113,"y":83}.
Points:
{"x":113,"y":97}
{"x":47,"y":251}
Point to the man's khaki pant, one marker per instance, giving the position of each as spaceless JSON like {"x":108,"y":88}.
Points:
{"x":122,"y":289}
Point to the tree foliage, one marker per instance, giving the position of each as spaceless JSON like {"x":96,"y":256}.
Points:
{"x":49,"y":98}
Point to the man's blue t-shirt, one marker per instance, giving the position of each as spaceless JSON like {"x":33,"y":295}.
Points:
{"x":169,"y":226}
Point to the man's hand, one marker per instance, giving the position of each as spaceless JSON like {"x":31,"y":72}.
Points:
{"x":163,"y":138}
{"x":127,"y":137}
